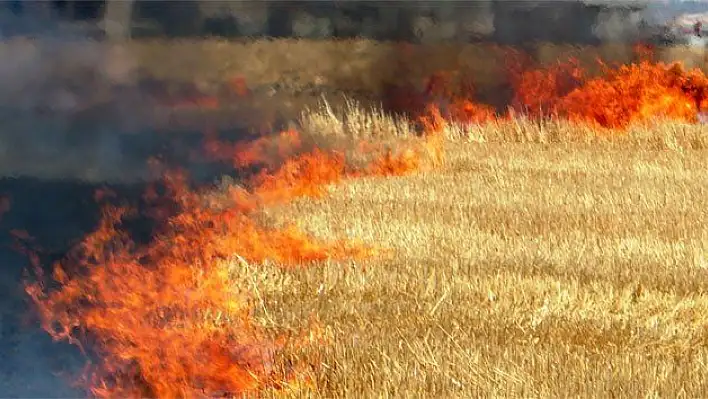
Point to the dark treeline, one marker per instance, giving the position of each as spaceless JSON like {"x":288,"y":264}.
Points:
{"x":507,"y":22}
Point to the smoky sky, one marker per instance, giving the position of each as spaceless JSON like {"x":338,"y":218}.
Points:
{"x":70,"y":102}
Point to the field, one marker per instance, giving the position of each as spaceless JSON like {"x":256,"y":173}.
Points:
{"x":521,"y":269}
{"x":358,"y":254}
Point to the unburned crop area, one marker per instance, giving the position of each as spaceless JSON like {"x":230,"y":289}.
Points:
{"x":517,"y":269}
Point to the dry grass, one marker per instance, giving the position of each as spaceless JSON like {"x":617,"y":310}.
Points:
{"x":541,"y":261}
{"x":544,"y":259}
{"x":353,"y":122}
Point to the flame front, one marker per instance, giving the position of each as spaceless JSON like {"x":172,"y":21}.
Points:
{"x":635,"y":93}
{"x":620,"y":96}
{"x":169,"y":318}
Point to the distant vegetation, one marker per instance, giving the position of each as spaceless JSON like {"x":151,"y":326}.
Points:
{"x":506,"y":22}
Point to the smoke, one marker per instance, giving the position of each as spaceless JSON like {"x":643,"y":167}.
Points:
{"x":614,"y":26}
{"x":639,"y":19}
{"x":61,"y":73}
{"x":68,"y":104}
{"x":73,"y":106}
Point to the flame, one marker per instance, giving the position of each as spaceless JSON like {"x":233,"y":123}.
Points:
{"x":172,"y":317}
{"x":539,"y":91}
{"x":167,"y":319}
{"x":391,"y":164}
{"x":239,"y":86}
{"x":637,"y":92}
{"x":267,"y":151}
{"x":619,"y":97}
{"x":643,"y":51}
{"x":306,"y":175}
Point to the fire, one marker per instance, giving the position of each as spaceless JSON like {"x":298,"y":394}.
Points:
{"x":455,"y":105}
{"x":634,"y":93}
{"x":306,"y":175}
{"x":391,"y":165}
{"x":621,"y":96}
{"x":307,"y":170}
{"x":167,"y":319}
{"x":538,"y":92}
{"x":267,"y":151}
{"x":172,"y":317}
{"x":239,"y":86}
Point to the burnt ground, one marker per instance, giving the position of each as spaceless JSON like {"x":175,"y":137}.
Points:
{"x":57,"y":213}
{"x":52,"y":162}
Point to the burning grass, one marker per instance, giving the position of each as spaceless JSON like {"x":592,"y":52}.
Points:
{"x":168,"y":318}
{"x":621,"y":95}
{"x":174,"y":316}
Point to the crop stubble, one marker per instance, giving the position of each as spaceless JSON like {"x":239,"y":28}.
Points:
{"x":522,"y":269}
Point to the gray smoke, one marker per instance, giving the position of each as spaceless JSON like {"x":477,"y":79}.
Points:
{"x":66,"y":103}
{"x":49,"y":88}
{"x":511,"y":22}
{"x":641,"y":19}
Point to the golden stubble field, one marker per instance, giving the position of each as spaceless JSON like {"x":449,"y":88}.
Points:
{"x":540,"y":261}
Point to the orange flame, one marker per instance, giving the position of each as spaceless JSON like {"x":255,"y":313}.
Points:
{"x":623,"y":95}
{"x":637,"y":92}
{"x":168,"y":318}
{"x":538,"y":91}
{"x":305,"y":175}
{"x":265,"y":151}
{"x":239,"y":86}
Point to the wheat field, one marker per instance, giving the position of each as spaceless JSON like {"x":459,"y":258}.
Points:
{"x":540,"y":261}
{"x":543,"y":259}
